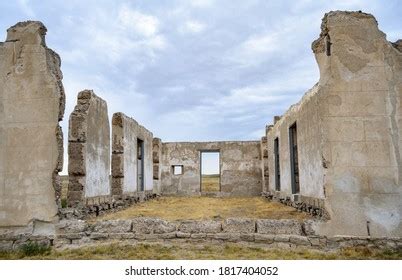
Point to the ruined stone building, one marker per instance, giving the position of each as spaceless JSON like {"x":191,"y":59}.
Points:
{"x":339,"y":148}
{"x":336,"y":154}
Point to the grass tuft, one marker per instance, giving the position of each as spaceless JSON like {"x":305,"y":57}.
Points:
{"x":34,"y":249}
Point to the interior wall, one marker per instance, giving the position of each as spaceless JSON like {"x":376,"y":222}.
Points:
{"x":239,"y":161}
{"x":126,"y":132}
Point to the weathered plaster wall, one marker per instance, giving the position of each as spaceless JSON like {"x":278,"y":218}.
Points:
{"x":240,"y":167}
{"x":157,"y":158}
{"x":349,"y":128}
{"x":31,"y":141}
{"x":126,"y":131}
{"x":88,"y":149}
{"x":264,"y":164}
{"x":311,"y":173}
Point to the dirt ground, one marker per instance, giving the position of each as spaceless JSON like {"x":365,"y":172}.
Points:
{"x":199,"y":208}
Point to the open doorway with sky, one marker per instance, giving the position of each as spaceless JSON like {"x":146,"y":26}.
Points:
{"x":210,"y":171}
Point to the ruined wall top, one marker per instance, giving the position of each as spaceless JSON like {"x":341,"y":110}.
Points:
{"x":28,"y":32}
{"x":119,"y":117}
{"x":342,"y":19}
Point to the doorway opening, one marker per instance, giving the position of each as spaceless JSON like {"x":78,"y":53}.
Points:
{"x":294,"y":160}
{"x":210,"y":171}
{"x":140,"y":165}
{"x":277,"y":165}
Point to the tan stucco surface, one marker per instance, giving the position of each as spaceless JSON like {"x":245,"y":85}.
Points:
{"x":31,"y":105}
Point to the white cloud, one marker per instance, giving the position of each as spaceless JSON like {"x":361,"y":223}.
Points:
{"x":142,"y":24}
{"x":192,"y":26}
{"x":132,"y":36}
{"x":226,"y":86}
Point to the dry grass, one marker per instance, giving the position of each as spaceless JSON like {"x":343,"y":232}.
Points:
{"x":199,"y":208}
{"x":210,"y":183}
{"x":202,"y":251}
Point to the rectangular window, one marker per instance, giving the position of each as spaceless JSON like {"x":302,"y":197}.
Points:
{"x":177,"y":169}
{"x":277,"y":165}
{"x":294,"y":160}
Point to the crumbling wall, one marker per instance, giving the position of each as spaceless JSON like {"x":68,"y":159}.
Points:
{"x":311,"y":170}
{"x":349,"y":129}
{"x":240,"y":167}
{"x":264,"y":164}
{"x":31,"y":141}
{"x":89,"y":151}
{"x":156,"y":158}
{"x":126,"y":131}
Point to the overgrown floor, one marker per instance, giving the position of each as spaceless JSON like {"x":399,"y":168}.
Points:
{"x":198,"y":208}
{"x":194,"y":251}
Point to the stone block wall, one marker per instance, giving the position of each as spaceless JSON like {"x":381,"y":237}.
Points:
{"x":264,"y":164}
{"x":125,"y":135}
{"x":348,"y":128}
{"x":31,"y":141}
{"x":157,"y":158}
{"x":240,"y":167}
{"x":283,"y":234}
{"x":89,"y":151}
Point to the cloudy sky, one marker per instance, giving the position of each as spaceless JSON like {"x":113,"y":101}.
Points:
{"x":191,"y":70}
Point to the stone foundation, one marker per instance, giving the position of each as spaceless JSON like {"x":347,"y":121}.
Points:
{"x":268,"y":233}
{"x":311,"y":205}
{"x":104,"y":205}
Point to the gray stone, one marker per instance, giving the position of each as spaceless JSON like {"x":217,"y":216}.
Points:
{"x":180,"y":234}
{"x":152,"y":225}
{"x":112,"y":226}
{"x":198,"y":235}
{"x":72,"y":226}
{"x":200,"y":226}
{"x":220,"y":236}
{"x":126,"y":235}
{"x":309,"y":227}
{"x":299,"y":240}
{"x":315,"y":241}
{"x":61,"y":242}
{"x":239,"y":225}
{"x":6,"y":246}
{"x":169,"y":235}
{"x":247,"y":237}
{"x":283,"y":226}
{"x":71,"y":236}
{"x":98,"y":235}
{"x":264,"y":238}
{"x":282,"y":238}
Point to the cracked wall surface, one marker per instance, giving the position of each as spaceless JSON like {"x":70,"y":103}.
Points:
{"x":349,"y":129}
{"x":31,"y":148}
{"x":240,"y":167}
{"x":264,"y":164}
{"x":157,"y":158}
{"x":125,"y":133}
{"x":88,"y":150}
